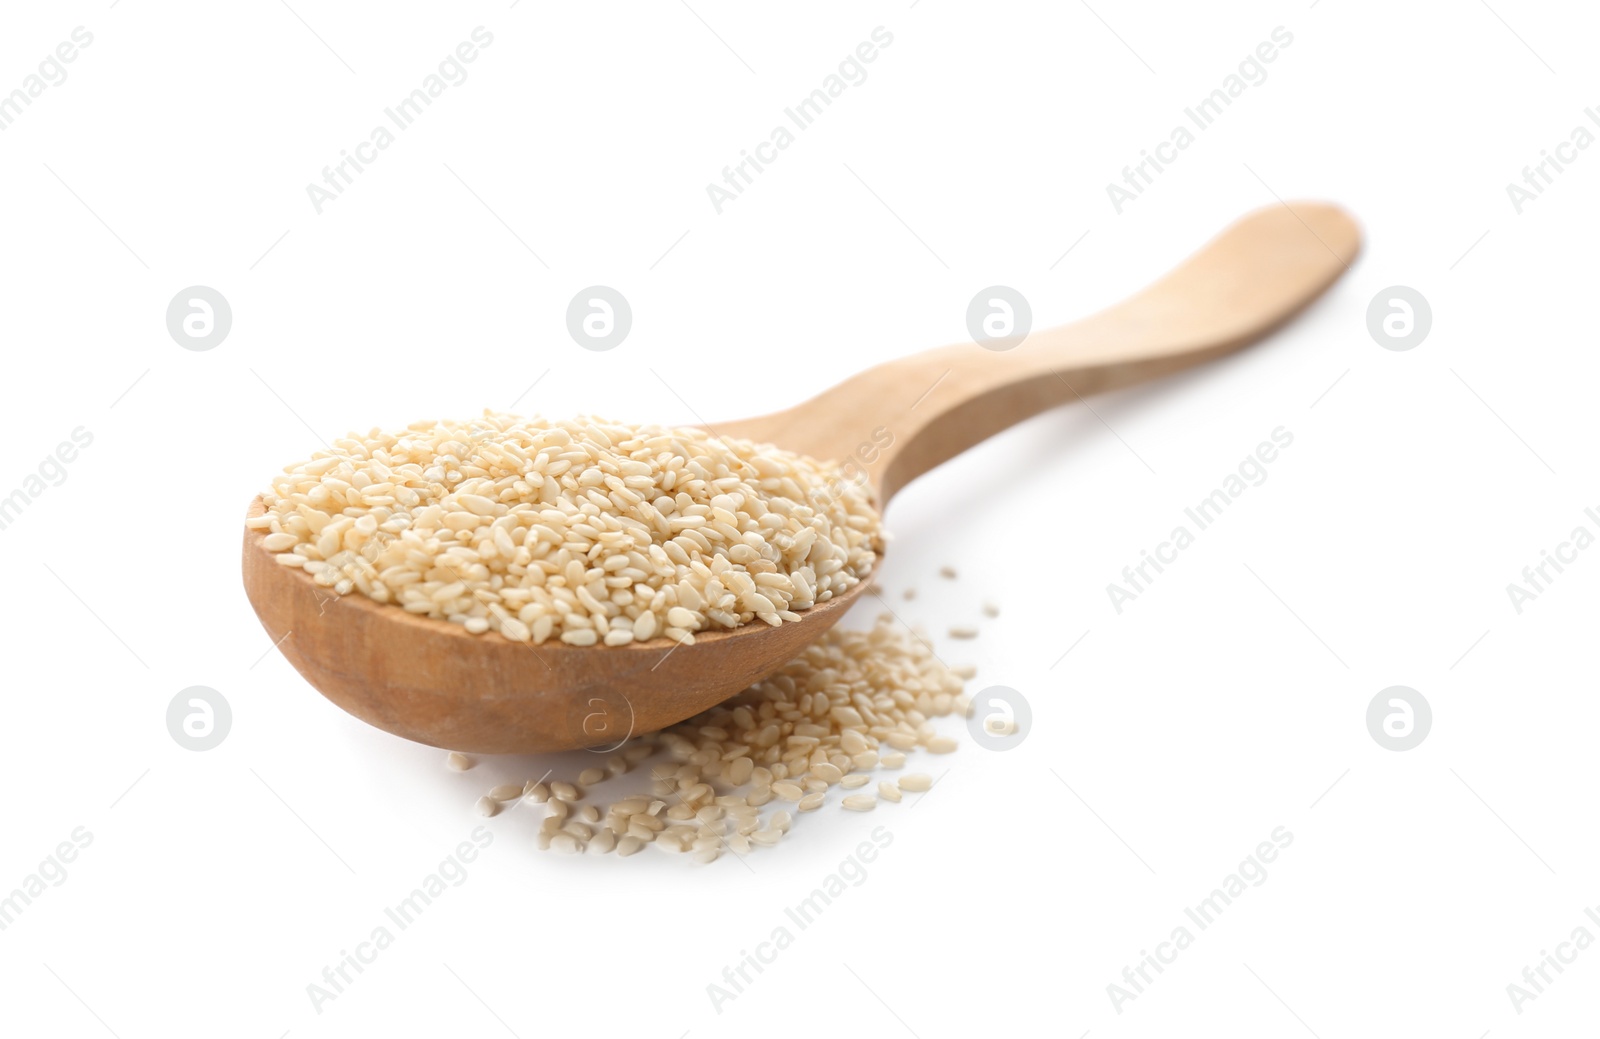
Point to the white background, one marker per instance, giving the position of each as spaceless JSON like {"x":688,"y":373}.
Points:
{"x":1228,"y":700}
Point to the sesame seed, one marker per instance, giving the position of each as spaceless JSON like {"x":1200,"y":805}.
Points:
{"x":788,"y":791}
{"x":827,"y":772}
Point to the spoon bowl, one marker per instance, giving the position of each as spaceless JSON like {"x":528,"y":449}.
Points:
{"x":434,"y":682}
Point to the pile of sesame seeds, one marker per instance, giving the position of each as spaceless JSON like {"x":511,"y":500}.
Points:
{"x":855,"y":703}
{"x":587,"y":531}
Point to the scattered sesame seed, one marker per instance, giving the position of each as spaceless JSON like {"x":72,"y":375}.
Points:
{"x":853,"y":703}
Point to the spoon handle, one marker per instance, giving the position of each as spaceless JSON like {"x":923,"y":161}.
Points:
{"x":902,"y":418}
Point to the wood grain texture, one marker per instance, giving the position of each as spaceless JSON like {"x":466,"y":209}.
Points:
{"x":433,"y":682}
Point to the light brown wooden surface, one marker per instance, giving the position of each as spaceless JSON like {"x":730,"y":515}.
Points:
{"x":431,"y":681}
{"x":1244,"y":283}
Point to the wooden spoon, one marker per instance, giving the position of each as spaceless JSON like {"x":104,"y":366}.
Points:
{"x":433,"y":682}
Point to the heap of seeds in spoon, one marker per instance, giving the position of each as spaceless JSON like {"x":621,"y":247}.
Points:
{"x":585,"y":530}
